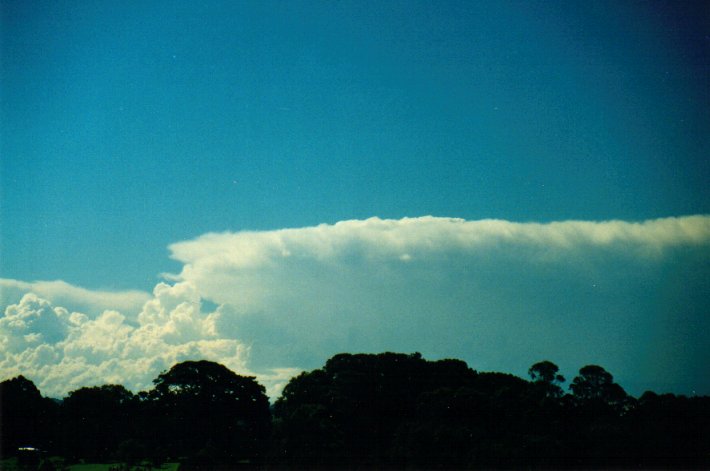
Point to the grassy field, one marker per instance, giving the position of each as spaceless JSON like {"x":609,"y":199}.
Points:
{"x":9,"y":464}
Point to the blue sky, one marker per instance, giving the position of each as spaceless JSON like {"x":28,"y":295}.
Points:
{"x":131,"y":126}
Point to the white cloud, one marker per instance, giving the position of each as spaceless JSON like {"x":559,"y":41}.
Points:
{"x":73,"y":297}
{"x":497,"y":293}
{"x":632,"y":297}
{"x":375,"y":237}
{"x":246,"y":268}
{"x":63,"y":351}
{"x":33,"y":321}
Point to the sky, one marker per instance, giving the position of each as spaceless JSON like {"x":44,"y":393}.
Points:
{"x":266,"y":184}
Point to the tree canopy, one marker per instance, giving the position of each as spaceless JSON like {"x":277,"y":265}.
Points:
{"x":596,"y":387}
{"x":204,"y":405}
{"x":94,"y":420}
{"x":27,"y":418}
{"x":388,"y":410}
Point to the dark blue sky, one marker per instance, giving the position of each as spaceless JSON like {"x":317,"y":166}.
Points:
{"x":127,"y":126}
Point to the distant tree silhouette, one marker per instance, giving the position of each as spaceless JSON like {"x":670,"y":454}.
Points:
{"x":671,"y":431}
{"x":545,"y":374}
{"x":363,"y":411}
{"x":595,"y":385}
{"x":202,"y":405}
{"x":597,"y":426}
{"x":304,"y":422}
{"x":27,"y":418}
{"x":316,"y":410}
{"x":356,"y":409}
{"x":484,"y":423}
{"x":393,"y":410}
{"x":96,"y":420}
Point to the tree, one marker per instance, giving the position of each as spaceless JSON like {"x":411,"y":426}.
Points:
{"x":597,"y":417}
{"x":595,"y":384}
{"x":352,"y":410}
{"x":672,"y":430}
{"x":27,"y":418}
{"x":96,"y":420}
{"x":202,"y":404}
{"x":544,"y":373}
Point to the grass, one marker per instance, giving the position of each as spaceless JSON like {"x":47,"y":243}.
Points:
{"x":9,"y":464}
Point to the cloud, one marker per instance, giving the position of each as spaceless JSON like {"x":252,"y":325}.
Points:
{"x":63,"y":351}
{"x":499,"y":294}
{"x":73,"y":297}
{"x":631,"y":296}
{"x":247,"y":261}
{"x":33,"y":321}
{"x":377,"y":237}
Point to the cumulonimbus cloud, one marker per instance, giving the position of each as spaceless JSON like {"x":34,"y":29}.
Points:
{"x":401,"y":238}
{"x":234,"y":267}
{"x":488,"y":291}
{"x":628,"y":295}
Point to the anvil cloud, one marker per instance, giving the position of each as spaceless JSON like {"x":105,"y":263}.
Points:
{"x":631,"y":296}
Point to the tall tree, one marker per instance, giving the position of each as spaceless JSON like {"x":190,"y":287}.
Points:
{"x":352,"y":409}
{"x":27,"y":418}
{"x":596,"y":385}
{"x":545,"y":374}
{"x":203,"y":405}
{"x":96,"y":420}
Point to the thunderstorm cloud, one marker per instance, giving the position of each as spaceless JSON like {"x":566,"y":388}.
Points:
{"x":501,"y":295}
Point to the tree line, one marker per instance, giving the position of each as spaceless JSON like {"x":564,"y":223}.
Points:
{"x":362,"y":411}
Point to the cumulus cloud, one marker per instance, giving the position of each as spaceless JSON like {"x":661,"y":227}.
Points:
{"x":33,"y":321}
{"x":63,"y":351}
{"x":631,"y":296}
{"x":92,"y":302}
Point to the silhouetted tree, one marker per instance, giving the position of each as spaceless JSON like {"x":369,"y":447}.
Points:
{"x":545,"y":374}
{"x":475,"y":425}
{"x":671,"y":431}
{"x":352,"y":410}
{"x":202,"y":404}
{"x":545,"y":416}
{"x":598,"y":430}
{"x":27,"y":418}
{"x":96,"y":420}
{"x":304,"y":423}
{"x":596,"y":385}
{"x":360,"y":411}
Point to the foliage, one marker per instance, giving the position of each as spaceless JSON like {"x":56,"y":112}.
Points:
{"x":202,"y":405}
{"x":94,"y":420}
{"x":545,"y":375}
{"x":388,"y":410}
{"x":595,"y":390}
{"x":27,"y":419}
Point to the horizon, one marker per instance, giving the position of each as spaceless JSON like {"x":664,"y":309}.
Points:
{"x":563,"y":383}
